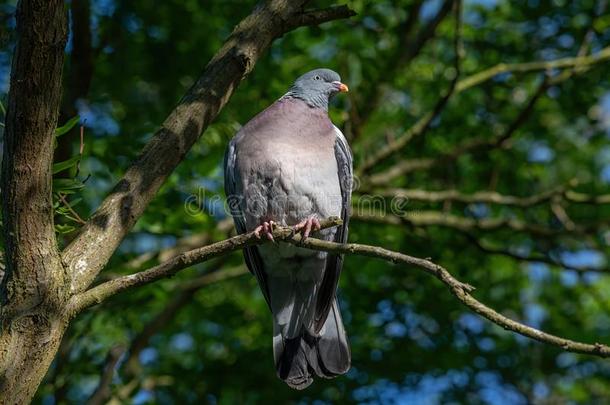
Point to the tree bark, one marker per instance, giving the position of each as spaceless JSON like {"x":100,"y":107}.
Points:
{"x":33,"y":292}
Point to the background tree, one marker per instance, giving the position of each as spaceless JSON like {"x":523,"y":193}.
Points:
{"x":480,"y":141}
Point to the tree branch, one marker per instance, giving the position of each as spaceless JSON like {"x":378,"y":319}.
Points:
{"x":459,"y":289}
{"x":465,"y":224}
{"x":544,"y":257}
{"x":405,"y":166}
{"x":317,"y":17}
{"x":79,"y":74}
{"x":90,"y":250}
{"x":486,"y":197}
{"x":408,"y":166}
{"x":563,"y":63}
{"x":183,"y":296}
{"x":102,"y":392}
{"x":406,"y":49}
{"x":423,"y":124}
{"x":169,"y":268}
{"x":183,"y":244}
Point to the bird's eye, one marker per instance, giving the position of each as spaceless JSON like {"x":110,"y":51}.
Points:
{"x":316,"y":77}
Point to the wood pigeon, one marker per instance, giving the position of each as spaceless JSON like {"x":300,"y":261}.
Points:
{"x":291,"y":166}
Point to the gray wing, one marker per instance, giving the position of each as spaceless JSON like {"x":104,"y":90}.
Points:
{"x":334,"y":262}
{"x":234,"y":200}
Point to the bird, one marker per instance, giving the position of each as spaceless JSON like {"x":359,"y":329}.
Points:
{"x":291,"y":166}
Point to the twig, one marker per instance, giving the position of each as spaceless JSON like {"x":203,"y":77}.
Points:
{"x":582,"y":198}
{"x":488,"y":197}
{"x":406,"y":49}
{"x":75,"y":215}
{"x":447,"y":220}
{"x":183,"y":244}
{"x":80,"y":149}
{"x":542,"y":258}
{"x":561,"y":214}
{"x":562,"y":63}
{"x":422,"y":125}
{"x":459,"y":289}
{"x":405,"y":166}
{"x":555,"y":195}
{"x":102,"y":392}
{"x":166,"y":269}
{"x":182,"y":297}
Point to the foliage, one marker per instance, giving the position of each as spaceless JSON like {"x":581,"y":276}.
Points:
{"x":411,"y":340}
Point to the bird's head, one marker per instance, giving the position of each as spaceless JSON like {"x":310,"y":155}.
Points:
{"x":317,"y":87}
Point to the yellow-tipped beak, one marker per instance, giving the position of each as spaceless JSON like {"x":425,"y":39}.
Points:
{"x":341,"y":87}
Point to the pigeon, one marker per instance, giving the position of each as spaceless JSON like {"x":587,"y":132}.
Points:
{"x":290,"y":166}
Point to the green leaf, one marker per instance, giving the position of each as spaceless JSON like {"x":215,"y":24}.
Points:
{"x":66,"y":164}
{"x":64,"y":228}
{"x":75,"y":201}
{"x":67,"y":126}
{"x":66,"y":186}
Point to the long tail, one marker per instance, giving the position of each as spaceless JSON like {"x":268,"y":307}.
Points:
{"x":327,"y":355}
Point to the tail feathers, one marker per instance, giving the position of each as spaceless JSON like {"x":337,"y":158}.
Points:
{"x":326,"y":355}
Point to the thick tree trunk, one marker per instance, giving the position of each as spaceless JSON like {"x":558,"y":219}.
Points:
{"x":33,"y":290}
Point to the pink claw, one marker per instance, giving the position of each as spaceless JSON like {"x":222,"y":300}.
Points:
{"x":266,"y":228}
{"x":307,"y":225}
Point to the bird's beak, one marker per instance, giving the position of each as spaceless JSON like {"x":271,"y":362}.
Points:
{"x":342,"y":87}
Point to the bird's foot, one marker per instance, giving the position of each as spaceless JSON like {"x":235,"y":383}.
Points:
{"x":266,"y":228}
{"x":307,"y":225}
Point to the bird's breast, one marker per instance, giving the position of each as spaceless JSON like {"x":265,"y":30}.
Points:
{"x":286,"y":181}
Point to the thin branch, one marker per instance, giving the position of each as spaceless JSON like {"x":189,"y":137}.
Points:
{"x":561,"y":193}
{"x":183,"y":244}
{"x":545,"y":258}
{"x":429,"y":31}
{"x":561,"y":214}
{"x":485,"y":197}
{"x":169,"y":268}
{"x":403,"y":167}
{"x":422,"y":125}
{"x":582,"y":198}
{"x":433,"y":218}
{"x":182,"y":297}
{"x":404,"y":52}
{"x":463,"y":224}
{"x":563,"y":63}
{"x":407,"y":166}
{"x":75,"y":215}
{"x":459,"y":289}
{"x":102,"y":392}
